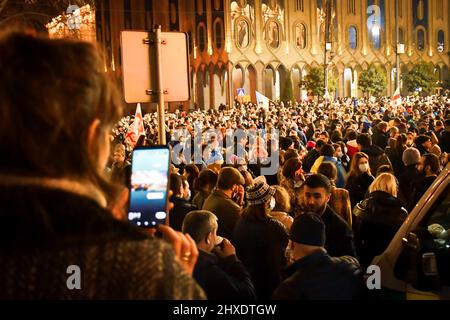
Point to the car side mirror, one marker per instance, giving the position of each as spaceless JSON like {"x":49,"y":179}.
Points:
{"x":419,"y":264}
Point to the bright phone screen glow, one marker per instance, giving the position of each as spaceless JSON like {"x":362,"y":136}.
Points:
{"x":148,"y":194}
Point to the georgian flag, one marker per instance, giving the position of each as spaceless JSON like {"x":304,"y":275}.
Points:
{"x":136,"y":129}
{"x":396,"y":100}
{"x":262,"y":100}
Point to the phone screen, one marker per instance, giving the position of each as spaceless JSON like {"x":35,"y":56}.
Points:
{"x":149,"y":186}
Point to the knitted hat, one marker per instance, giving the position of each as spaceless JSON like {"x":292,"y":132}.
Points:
{"x":308,"y":229}
{"x":411,"y":156}
{"x":259,"y":192}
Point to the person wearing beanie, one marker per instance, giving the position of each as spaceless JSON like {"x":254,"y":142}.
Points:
{"x":315,"y":275}
{"x":423,"y":144}
{"x":261,"y":240}
{"x":226,"y":200}
{"x":408,"y":176}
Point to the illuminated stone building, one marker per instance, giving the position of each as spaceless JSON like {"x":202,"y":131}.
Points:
{"x":256,"y":44}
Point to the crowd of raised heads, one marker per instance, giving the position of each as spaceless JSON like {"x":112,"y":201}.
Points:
{"x":289,"y":202}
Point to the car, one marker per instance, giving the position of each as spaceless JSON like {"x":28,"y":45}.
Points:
{"x":416,"y":264}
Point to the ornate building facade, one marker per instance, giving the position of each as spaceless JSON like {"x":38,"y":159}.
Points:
{"x":257,"y":44}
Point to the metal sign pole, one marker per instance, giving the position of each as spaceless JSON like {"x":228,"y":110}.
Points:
{"x":160,"y":88}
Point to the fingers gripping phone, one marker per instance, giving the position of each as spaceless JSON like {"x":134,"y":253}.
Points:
{"x":149,"y":186}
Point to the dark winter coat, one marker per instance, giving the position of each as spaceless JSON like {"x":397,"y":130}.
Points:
{"x":377,"y":220}
{"x":321,"y":277}
{"x":261,"y":245}
{"x":225,"y":278}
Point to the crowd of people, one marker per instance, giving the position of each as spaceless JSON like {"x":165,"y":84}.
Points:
{"x":294,"y":206}
{"x":359,"y":165}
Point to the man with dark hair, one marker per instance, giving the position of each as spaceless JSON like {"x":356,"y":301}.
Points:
{"x":222,"y":202}
{"x":428,"y":168}
{"x":339,"y":236}
{"x":315,"y":275}
{"x":377,"y":156}
{"x":218,"y":270}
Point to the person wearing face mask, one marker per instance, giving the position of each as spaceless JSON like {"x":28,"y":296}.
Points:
{"x":180,"y":198}
{"x":359,"y":178}
{"x":218,"y":270}
{"x":261,"y":240}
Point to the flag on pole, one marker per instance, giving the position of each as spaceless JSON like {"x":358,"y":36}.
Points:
{"x":262,"y":100}
{"x":396,"y":100}
{"x":136,"y":129}
{"x":326,"y":96}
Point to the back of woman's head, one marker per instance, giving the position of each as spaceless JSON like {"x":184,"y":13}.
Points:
{"x":206,"y":181}
{"x":385,"y":182}
{"x":282,"y":199}
{"x":290,"y":167}
{"x":54,"y":96}
{"x":192,"y":171}
{"x":328,"y":169}
{"x":327,"y":150}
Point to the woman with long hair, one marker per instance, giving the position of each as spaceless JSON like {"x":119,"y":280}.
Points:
{"x":378,"y":218}
{"x":261,"y":240}
{"x":359,"y":178}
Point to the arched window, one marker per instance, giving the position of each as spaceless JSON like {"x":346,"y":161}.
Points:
{"x":420,"y":40}
{"x":218,"y":34}
{"x":441,"y":41}
{"x":352,"y":37}
{"x":201,"y":37}
{"x":300,"y":36}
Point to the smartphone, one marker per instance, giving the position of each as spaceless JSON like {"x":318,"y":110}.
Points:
{"x":149,"y":186}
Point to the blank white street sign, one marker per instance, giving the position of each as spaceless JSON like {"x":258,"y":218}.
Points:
{"x":139,"y":69}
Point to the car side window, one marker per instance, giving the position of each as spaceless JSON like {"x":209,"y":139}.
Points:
{"x":437,"y":222}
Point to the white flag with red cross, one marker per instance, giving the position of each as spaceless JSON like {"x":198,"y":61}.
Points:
{"x":136,"y":129}
{"x":396,"y":100}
